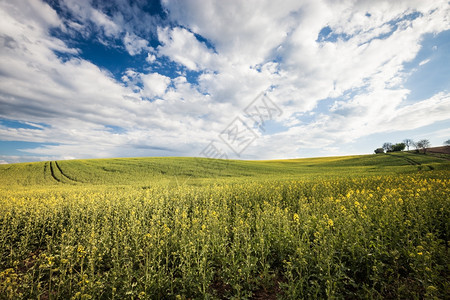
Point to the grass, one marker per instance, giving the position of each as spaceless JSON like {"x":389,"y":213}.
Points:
{"x":372,"y":226}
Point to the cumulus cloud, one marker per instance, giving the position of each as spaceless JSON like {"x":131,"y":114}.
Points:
{"x":245,"y":32}
{"x":134,"y":44}
{"x":181,"y":46}
{"x":150,"y":58}
{"x":155,"y":85}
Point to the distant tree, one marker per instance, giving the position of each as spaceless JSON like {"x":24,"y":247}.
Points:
{"x":399,"y":147}
{"x":379,"y":150}
{"x":387,"y":147}
{"x":447,"y":143}
{"x":408,"y":143}
{"x":423,"y":144}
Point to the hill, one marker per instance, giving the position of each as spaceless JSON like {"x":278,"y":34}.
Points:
{"x":142,"y":171}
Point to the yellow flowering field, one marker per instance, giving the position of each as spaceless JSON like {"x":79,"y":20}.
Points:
{"x":179,"y":228}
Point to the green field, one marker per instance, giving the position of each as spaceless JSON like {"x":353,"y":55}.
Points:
{"x":352,"y":227}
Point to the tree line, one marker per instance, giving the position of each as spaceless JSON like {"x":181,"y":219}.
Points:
{"x":407,"y":143}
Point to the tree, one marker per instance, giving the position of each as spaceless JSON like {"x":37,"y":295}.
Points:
{"x":447,"y":143}
{"x":408,"y":143}
{"x":423,"y":144}
{"x":387,"y":147}
{"x":398,"y":147}
{"x":379,"y":150}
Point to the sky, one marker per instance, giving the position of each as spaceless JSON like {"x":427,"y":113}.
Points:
{"x":223,"y":79}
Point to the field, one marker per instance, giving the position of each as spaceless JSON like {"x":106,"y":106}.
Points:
{"x":354,"y":227}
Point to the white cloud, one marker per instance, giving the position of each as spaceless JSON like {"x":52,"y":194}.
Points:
{"x":183,"y":47}
{"x":155,"y":84}
{"x":36,"y":13}
{"x":361,"y":60}
{"x":422,"y":113}
{"x":425,"y":61}
{"x":134,"y":44}
{"x":244,"y":32}
{"x":150,"y":58}
{"x":83,"y":11}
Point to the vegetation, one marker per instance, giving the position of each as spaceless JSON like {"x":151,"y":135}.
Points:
{"x":379,"y":150}
{"x":408,"y":143}
{"x":387,"y":147}
{"x":423,"y":144}
{"x":398,"y":147}
{"x":372,"y":226}
{"x":420,"y":145}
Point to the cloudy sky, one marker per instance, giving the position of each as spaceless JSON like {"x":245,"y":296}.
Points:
{"x":236,"y":79}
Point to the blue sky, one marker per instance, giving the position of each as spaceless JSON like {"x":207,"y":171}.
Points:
{"x":236,"y":79}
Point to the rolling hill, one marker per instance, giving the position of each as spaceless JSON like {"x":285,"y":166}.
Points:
{"x":141,"y":171}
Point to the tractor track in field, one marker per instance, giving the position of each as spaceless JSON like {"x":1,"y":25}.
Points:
{"x":71,"y":180}
{"x":52,"y":172}
{"x":412,"y":161}
{"x":408,"y":160}
{"x":54,"y":169}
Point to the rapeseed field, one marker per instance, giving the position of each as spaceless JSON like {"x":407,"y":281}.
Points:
{"x":358,"y":227}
